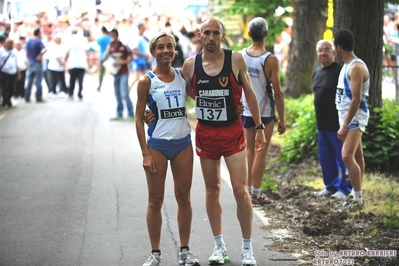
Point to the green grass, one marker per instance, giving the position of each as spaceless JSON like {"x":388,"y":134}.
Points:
{"x":377,"y":188}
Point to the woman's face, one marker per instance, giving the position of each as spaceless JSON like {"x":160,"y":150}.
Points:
{"x":164,"y":51}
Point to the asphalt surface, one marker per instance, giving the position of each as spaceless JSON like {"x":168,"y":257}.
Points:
{"x":73,"y":191}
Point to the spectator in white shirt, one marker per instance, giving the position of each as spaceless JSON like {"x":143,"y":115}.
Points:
{"x":56,"y":66}
{"x":9,"y":71}
{"x":22,"y":63}
{"x":77,"y":61}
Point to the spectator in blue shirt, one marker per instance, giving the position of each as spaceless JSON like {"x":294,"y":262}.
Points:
{"x":103,"y":42}
{"x":35,"y":50}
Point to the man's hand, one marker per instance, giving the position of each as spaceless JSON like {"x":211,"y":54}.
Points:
{"x":149,"y":117}
{"x":281,"y":127}
{"x":240,"y":108}
{"x":260,"y":140}
{"x":342,"y":133}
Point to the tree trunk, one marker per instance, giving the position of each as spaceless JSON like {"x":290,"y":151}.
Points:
{"x":365,"y":19}
{"x":309,"y":23}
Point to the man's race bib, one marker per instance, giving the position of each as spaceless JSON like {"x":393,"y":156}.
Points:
{"x":210,"y":109}
{"x":339,"y":96}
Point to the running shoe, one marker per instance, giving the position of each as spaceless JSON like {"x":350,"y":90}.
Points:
{"x":117,"y":118}
{"x":247,"y":257}
{"x":154,"y":259}
{"x":219,"y":256}
{"x":339,"y":195}
{"x":323,"y":193}
{"x":186,"y":258}
{"x":353,"y":205}
{"x":261,"y":200}
{"x":130,"y":119}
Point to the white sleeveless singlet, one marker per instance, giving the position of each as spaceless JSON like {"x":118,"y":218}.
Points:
{"x":343,"y":97}
{"x":168,"y":102}
{"x":263,"y":88}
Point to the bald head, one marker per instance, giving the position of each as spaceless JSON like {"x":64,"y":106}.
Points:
{"x":213,"y":22}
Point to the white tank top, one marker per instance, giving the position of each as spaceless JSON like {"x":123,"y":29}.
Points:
{"x":263,"y":88}
{"x":168,"y":102}
{"x":343,"y":97}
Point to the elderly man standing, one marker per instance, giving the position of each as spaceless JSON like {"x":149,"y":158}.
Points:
{"x":325,"y":79}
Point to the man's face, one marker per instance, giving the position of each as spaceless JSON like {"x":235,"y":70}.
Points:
{"x":9,"y":45}
{"x":325,"y":54}
{"x":114,"y":36}
{"x":211,"y":35}
{"x":338,"y":51}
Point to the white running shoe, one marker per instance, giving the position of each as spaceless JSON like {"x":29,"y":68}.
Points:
{"x":339,"y":196}
{"x":219,"y":256}
{"x":153,"y":260}
{"x":186,"y":258}
{"x":323,"y":193}
{"x":247,"y":257}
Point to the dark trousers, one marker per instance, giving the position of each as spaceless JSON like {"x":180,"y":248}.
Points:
{"x":57,"y":77}
{"x":76,"y":73}
{"x":101,"y":76}
{"x":47,"y":76}
{"x":8,"y":83}
{"x":20,"y":87}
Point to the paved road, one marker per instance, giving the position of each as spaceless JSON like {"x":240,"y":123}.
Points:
{"x":73,"y":192}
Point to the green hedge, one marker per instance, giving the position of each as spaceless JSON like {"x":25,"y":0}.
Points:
{"x":380,"y":141}
{"x":300,"y":141}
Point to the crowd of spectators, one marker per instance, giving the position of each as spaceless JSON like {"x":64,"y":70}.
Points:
{"x":57,"y":36}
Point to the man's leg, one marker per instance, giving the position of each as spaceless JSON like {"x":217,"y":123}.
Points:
{"x":328,"y":163}
{"x":39,"y":77}
{"x":118,"y":96}
{"x":81,"y":74}
{"x":237,"y":167}
{"x":31,"y":76}
{"x":345,"y":185}
{"x":5,"y":83}
{"x":351,"y":153}
{"x":250,"y":140}
{"x":21,"y":84}
{"x":101,"y":76}
{"x":211,"y":173}
{"x":259,"y":164}
{"x":72,"y":79}
{"x":349,"y":148}
{"x":54,"y":79}
{"x":124,"y":84}
{"x":360,"y":159}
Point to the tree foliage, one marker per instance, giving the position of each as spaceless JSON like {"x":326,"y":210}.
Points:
{"x":309,"y":18}
{"x":265,"y":9}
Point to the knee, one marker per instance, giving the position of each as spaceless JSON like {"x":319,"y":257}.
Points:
{"x":213,"y":191}
{"x":155,"y":203}
{"x":183,"y":199}
{"x":241,"y":194}
{"x":347,"y":158}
